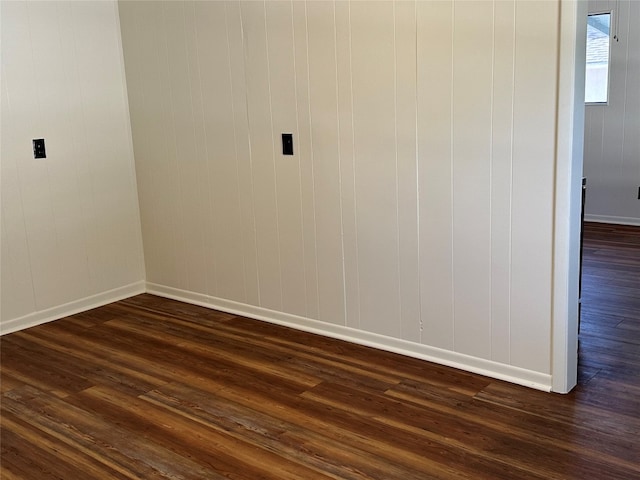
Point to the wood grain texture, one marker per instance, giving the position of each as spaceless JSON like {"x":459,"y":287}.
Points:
{"x":154,"y":388}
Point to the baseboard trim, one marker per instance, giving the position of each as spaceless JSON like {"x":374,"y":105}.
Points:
{"x":612,"y":219}
{"x":71,"y":308}
{"x":460,"y":361}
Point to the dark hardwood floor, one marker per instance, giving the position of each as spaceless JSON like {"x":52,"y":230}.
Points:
{"x":149,"y":388}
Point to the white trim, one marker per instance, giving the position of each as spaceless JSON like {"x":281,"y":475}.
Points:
{"x":71,"y":308}
{"x":480,"y":366}
{"x":567,"y":199}
{"x":612,"y":219}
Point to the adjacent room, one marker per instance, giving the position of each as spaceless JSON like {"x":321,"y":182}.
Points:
{"x":316,"y":239}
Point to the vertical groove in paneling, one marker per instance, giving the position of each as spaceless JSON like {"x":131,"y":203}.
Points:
{"x":511,"y":160}
{"x":471,"y":180}
{"x":418,"y":246}
{"x":165,"y":241}
{"x":242,"y":147}
{"x":197,"y":163}
{"x":228,"y":157}
{"x":325,"y":137}
{"x":273,"y":151}
{"x":307,"y":273}
{"x":374,"y":127}
{"x":178,"y":253}
{"x":241,"y":217}
{"x":407,"y":177}
{"x":452,"y":153}
{"x":501,"y":177}
{"x":491,"y":175}
{"x":186,"y":160}
{"x":200,"y":136}
{"x":300,"y":159}
{"x":344,"y":82}
{"x":307,"y":177}
{"x":305,"y":153}
{"x":192,"y":162}
{"x":262,"y":154}
{"x":434,"y":93}
{"x":287,"y":168}
{"x":357,"y":299}
{"x":395,"y":144}
{"x":340,"y":163}
{"x":64,"y":17}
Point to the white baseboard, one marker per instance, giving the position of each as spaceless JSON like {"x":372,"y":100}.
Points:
{"x":612,"y":219}
{"x":449,"y":358}
{"x":71,"y":308}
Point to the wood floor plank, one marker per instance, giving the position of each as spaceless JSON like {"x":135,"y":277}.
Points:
{"x":269,"y":432}
{"x":150,"y":388}
{"x":524,"y":426}
{"x":62,"y":460}
{"x":108,"y":444}
{"x":501,"y":439}
{"x":233,"y":456}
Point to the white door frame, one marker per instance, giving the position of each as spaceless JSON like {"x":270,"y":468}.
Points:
{"x":568,"y":193}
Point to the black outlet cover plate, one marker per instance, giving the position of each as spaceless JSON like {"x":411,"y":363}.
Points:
{"x":38,"y":148}
{"x":287,"y":144}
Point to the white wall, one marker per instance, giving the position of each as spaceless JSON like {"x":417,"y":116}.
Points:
{"x":417,"y":212}
{"x":70,"y":223}
{"x":612,"y":139}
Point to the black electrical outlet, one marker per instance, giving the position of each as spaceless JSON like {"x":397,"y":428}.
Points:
{"x":38,"y":148}
{"x":287,"y":144}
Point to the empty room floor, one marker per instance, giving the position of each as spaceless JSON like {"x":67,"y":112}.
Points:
{"x":150,"y":388}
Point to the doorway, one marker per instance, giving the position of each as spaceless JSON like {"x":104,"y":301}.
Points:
{"x":609,"y":339}
{"x":611,"y":275}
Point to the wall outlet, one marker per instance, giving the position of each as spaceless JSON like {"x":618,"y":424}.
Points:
{"x":287,"y":144}
{"x":38,"y":148}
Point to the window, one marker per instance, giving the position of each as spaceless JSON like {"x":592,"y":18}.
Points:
{"x":597,"y":73}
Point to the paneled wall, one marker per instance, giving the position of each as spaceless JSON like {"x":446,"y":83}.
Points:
{"x":416,"y":213}
{"x":612,"y":142}
{"x":70,"y":223}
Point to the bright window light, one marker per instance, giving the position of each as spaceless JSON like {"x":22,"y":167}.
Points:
{"x":597,"y":73}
